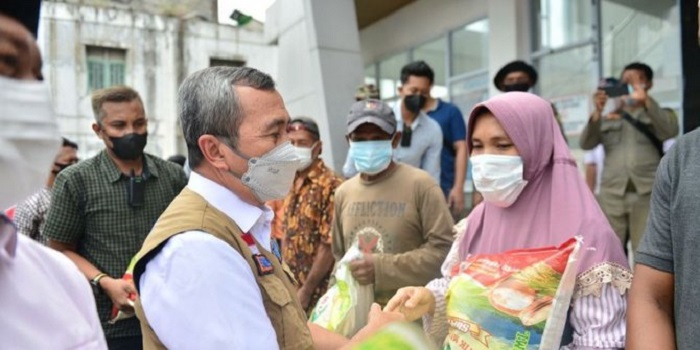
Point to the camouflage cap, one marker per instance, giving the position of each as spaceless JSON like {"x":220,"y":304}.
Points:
{"x":366,"y":91}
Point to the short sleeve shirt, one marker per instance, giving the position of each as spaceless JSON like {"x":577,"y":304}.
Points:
{"x":672,"y":237}
{"x":90,"y":208}
{"x":454,"y":129}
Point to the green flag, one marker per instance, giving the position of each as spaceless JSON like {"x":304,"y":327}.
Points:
{"x":240,"y":18}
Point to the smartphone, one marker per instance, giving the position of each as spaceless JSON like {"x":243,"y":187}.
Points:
{"x":617,"y":90}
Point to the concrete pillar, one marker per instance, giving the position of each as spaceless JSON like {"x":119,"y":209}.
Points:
{"x":320,"y":65}
{"x":509,"y":34}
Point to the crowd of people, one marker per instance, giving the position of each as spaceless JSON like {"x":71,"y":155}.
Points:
{"x":233,"y":245}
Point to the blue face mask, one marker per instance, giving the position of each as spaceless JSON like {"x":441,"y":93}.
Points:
{"x":371,"y":157}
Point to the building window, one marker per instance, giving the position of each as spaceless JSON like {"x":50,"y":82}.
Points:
{"x":434,"y":53}
{"x":218,"y":62}
{"x":390,"y":76}
{"x":106,"y":67}
{"x":469,"y":59}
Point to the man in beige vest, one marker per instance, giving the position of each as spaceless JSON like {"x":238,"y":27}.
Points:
{"x":209,"y":275}
{"x":631,"y":156}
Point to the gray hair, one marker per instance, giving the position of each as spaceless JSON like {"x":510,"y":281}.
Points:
{"x":208,"y":104}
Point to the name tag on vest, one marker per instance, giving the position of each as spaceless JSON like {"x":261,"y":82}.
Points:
{"x":263,"y":264}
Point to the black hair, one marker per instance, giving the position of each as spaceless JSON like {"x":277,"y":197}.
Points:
{"x":644,"y":68}
{"x":69,"y":143}
{"x":417,"y":69}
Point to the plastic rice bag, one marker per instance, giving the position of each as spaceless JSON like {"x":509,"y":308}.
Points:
{"x":345,"y":306}
{"x":514,"y":300}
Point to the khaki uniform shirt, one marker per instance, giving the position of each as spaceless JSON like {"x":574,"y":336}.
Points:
{"x":629,"y":155}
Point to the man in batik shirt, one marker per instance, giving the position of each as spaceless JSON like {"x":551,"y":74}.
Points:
{"x":308,"y":214}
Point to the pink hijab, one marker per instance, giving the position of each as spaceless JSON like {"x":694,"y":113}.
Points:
{"x":555,"y":205}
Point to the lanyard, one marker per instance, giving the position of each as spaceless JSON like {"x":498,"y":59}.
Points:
{"x":262,"y":263}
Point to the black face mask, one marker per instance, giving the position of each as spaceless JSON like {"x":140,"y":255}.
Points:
{"x":129,"y":146}
{"x":414,"y":103}
{"x":522,"y":87}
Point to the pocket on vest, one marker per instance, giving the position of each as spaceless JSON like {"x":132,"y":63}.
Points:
{"x":276,"y":290}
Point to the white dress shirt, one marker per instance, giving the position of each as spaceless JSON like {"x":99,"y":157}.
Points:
{"x":199,"y":293}
{"x":45,"y":302}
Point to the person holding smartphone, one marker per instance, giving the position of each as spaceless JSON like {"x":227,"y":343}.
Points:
{"x":632,"y":129}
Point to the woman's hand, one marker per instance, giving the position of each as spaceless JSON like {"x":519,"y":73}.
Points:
{"x":413,"y":302}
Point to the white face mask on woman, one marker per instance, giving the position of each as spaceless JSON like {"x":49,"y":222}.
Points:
{"x":498,"y":178}
{"x":29,"y":138}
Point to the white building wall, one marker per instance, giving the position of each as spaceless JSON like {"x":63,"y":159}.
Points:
{"x":320,"y":65}
{"x":154,"y":63}
{"x":417,"y":23}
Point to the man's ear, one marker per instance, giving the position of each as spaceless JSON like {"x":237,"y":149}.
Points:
{"x":319,"y":146}
{"x":396,"y":139}
{"x":96,"y":129}
{"x":650,"y":84}
{"x":210,"y":147}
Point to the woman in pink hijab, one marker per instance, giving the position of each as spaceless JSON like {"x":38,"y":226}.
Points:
{"x":534,"y":197}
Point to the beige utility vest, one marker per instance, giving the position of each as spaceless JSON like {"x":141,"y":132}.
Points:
{"x":191,"y":212}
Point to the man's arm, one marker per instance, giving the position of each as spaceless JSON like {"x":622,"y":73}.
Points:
{"x":650,"y":323}
{"x":64,"y":229}
{"x":327,"y":340}
{"x":591,"y":176}
{"x":664,"y":121}
{"x":456,"y":196}
{"x":323,"y":260}
{"x":430,"y":161}
{"x":591,"y":135}
{"x":419,"y":266}
{"x":323,"y":263}
{"x":591,"y":164}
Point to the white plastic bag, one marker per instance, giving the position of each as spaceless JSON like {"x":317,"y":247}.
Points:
{"x":345,"y":306}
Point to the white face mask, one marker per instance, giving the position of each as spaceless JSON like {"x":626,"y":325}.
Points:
{"x":498,"y":178}
{"x":270,"y":176}
{"x":305,"y":155}
{"x":29,"y":138}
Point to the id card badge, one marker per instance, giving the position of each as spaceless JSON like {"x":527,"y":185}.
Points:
{"x":263,"y":264}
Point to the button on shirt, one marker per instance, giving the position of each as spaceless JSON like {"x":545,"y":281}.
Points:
{"x":186,"y":289}
{"x":46,"y":302}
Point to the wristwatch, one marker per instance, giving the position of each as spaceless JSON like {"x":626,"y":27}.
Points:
{"x":95,"y":283}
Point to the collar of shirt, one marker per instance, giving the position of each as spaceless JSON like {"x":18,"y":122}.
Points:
{"x":399,"y":118}
{"x":249,"y":218}
{"x":316,"y":170}
{"x":113,"y":174}
{"x":8,"y":239}
{"x":438,"y":105}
